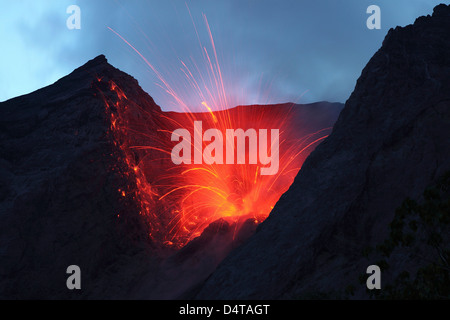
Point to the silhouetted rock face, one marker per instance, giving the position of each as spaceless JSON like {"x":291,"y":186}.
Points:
{"x":60,"y":175}
{"x":390,"y":141}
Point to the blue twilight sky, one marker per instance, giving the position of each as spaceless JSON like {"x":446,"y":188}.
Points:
{"x":268,"y":50}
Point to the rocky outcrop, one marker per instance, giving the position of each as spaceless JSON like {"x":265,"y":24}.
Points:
{"x":390,"y":142}
{"x":60,"y":176}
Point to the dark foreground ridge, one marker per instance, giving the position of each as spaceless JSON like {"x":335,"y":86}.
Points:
{"x":390,"y":142}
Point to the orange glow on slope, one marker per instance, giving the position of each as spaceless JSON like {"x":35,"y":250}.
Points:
{"x":180,"y":201}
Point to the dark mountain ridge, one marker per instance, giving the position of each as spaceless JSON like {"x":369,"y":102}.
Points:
{"x":391,"y":141}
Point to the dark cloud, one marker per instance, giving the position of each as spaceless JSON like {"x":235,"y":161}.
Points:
{"x":269,"y":51}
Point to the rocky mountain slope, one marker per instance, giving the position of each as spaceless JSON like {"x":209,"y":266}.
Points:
{"x":60,"y":176}
{"x":391,"y":141}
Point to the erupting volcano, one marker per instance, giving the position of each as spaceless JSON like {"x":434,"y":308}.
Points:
{"x":157,"y":204}
{"x":104,"y":175}
{"x":180,"y":201}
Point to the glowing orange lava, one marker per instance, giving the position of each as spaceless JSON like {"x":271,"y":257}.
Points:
{"x":180,"y":201}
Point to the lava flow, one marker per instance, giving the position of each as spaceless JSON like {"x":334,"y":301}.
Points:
{"x":180,"y":201}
